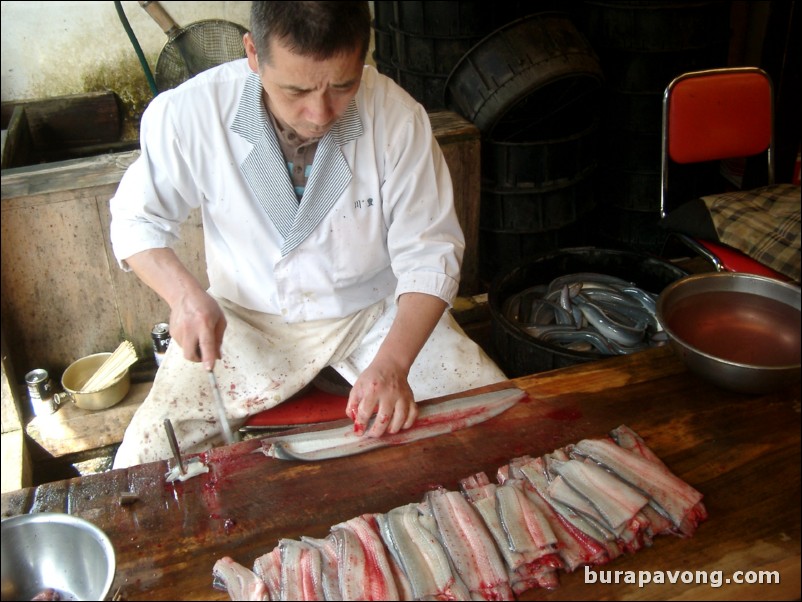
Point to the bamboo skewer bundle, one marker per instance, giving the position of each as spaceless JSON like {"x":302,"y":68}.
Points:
{"x":117,"y":363}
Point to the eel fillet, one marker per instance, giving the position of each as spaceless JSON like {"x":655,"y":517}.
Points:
{"x":363,"y":569}
{"x":240,"y":582}
{"x":676,"y":498}
{"x":521,"y":532}
{"x":574,"y":547}
{"x":528,"y":532}
{"x":301,"y":571}
{"x":626,"y":438}
{"x":616,"y":501}
{"x":402,"y":582}
{"x":629,"y":440}
{"x":433,"y":419}
{"x":421,"y":555}
{"x":597,"y":544}
{"x":328,"y":567}
{"x":482,"y":494}
{"x":469,"y":545}
{"x":268,"y":568}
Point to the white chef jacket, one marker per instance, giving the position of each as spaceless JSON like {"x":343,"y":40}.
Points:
{"x":377,"y":217}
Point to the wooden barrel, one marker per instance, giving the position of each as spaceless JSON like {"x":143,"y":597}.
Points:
{"x":519,"y":353}
{"x":642,"y":46}
{"x":531,"y":72}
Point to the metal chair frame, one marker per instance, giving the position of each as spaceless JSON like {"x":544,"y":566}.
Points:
{"x":708,"y":101}
{"x":711,"y":115}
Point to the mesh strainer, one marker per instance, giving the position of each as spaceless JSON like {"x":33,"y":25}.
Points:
{"x":193,"y":49}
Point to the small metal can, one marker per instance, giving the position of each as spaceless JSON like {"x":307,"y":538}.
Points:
{"x":40,"y":391}
{"x":161,"y":340}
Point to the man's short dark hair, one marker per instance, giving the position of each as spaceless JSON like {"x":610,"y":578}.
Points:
{"x":316,"y":29}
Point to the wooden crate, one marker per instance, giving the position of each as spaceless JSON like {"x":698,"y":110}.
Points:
{"x":55,"y":129}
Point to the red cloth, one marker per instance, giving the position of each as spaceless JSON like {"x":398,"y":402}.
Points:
{"x":314,"y":406}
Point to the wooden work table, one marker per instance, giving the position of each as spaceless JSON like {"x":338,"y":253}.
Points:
{"x":741,"y":452}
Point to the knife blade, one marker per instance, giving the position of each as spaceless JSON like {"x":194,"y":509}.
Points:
{"x":225,"y":427}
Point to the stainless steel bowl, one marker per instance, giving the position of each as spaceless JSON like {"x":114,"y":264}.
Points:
{"x":55,"y":551}
{"x":738,"y":331}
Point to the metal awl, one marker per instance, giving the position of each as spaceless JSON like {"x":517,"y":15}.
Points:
{"x":168,"y":426}
{"x":221,"y":410}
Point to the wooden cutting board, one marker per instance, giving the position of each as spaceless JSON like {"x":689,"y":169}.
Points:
{"x":741,"y":452}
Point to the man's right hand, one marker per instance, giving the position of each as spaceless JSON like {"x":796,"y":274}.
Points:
{"x":197,"y":322}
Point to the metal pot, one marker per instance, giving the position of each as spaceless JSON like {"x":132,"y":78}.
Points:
{"x":62,"y":552}
{"x":79,"y":372}
{"x":739,"y":331}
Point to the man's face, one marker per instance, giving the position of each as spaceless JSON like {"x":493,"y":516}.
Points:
{"x":306,"y":94}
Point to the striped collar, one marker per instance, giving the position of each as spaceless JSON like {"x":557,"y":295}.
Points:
{"x":265,"y":168}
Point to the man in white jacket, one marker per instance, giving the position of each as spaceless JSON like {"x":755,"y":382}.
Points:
{"x":330,"y":233}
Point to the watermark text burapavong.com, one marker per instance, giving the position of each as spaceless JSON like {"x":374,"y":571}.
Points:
{"x":711,"y":578}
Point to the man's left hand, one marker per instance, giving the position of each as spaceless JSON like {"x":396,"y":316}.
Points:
{"x":383,"y":390}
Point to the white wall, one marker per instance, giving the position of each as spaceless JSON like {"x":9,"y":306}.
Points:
{"x":59,"y":48}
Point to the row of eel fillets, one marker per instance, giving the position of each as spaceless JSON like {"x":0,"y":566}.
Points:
{"x":583,"y":504}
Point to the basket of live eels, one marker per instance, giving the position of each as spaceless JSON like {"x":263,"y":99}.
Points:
{"x":582,"y":505}
{"x":577,"y":305}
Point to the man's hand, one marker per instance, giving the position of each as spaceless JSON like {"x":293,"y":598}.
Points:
{"x":382,"y":389}
{"x":197,"y":323}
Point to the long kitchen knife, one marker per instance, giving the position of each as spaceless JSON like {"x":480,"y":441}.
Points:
{"x":225,"y":427}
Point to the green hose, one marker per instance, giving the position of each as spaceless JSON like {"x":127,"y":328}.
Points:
{"x":148,"y":75}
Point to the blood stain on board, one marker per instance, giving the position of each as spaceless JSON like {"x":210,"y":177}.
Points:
{"x":564,"y":414}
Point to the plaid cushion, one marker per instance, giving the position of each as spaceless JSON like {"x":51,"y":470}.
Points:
{"x":763,"y":223}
